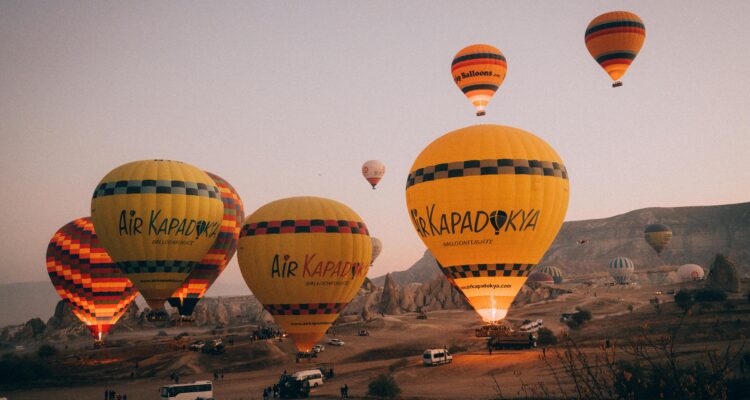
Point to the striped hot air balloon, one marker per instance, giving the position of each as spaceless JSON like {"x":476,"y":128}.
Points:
{"x":554,"y":272}
{"x":479,"y":70}
{"x":304,"y":259}
{"x":614,"y":40}
{"x":213,"y":264}
{"x":86,"y":278}
{"x":657,"y":236}
{"x":377,"y":247}
{"x":621,"y":269}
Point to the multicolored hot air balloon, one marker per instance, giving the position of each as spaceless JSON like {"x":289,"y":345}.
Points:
{"x":373,"y":171}
{"x":157,"y":219}
{"x":304,"y":259}
{"x":657,"y":236}
{"x":86,"y":278}
{"x":377,"y":247}
{"x":540,"y":277}
{"x":488,"y":201}
{"x":614,"y":39}
{"x":621,"y":268}
{"x":554,"y":272}
{"x":213,"y":264}
{"x":478,"y":71}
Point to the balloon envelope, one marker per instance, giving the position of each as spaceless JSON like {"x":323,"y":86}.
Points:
{"x":221,"y":252}
{"x":373,"y":171}
{"x":614,"y":40}
{"x":690,"y":272}
{"x":478,"y":71}
{"x":658,"y":236}
{"x":621,"y":269}
{"x":488,"y":201}
{"x":157,"y":219}
{"x":554,"y":272}
{"x":86,"y":278}
{"x":304,"y":259}
{"x":377,"y":247}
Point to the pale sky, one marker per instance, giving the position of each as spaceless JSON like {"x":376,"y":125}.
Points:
{"x":290,"y":98}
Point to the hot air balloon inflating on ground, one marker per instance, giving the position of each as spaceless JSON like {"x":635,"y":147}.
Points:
{"x":157,"y":219}
{"x":373,"y":171}
{"x":657,"y":236}
{"x":478,"y":71}
{"x":488,"y":201}
{"x":554,"y":272}
{"x":86,"y":278}
{"x":213,"y":264}
{"x":304,"y":259}
{"x":614,"y":40}
{"x":690,"y":272}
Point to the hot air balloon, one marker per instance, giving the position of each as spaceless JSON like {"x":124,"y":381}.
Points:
{"x":487,"y":201}
{"x":479,"y":70}
{"x":658,"y":236}
{"x":554,"y":272}
{"x":540,"y":277}
{"x":614,"y":39}
{"x":86,"y":278}
{"x":205,"y":273}
{"x":690,"y":272}
{"x":621,"y":268}
{"x":373,"y":171}
{"x":377,"y":247}
{"x":157,"y":219}
{"x":304,"y":259}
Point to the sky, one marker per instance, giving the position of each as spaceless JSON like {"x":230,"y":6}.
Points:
{"x":290,"y":98}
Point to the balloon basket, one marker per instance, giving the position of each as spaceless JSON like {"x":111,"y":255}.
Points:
{"x":481,"y":113}
{"x":617,"y":84}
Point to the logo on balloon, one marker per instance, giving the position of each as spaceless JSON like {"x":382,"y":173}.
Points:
{"x":459,"y":222}
{"x":473,"y":74}
{"x":131,"y":225}
{"x":313,"y":267}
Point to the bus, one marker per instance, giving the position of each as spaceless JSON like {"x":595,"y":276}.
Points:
{"x":200,"y":390}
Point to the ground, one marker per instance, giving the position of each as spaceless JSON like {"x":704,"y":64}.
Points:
{"x":395,"y":345}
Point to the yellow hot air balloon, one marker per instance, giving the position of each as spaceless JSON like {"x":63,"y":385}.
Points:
{"x":614,"y":40}
{"x":157,"y":219}
{"x":304,"y":259}
{"x":488,"y":201}
{"x":478,"y":71}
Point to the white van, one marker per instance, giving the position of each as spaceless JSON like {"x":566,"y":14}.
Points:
{"x":436,"y":357}
{"x":313,"y":376}
{"x":187,"y":391}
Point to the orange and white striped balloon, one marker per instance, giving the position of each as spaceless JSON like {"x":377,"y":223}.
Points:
{"x":373,"y":171}
{"x":478,"y":71}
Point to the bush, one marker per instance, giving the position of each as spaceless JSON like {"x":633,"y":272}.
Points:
{"x":707,"y":295}
{"x":684,"y":300}
{"x":579,"y":318}
{"x":546,"y":337}
{"x":46,"y":351}
{"x":384,"y":386}
{"x":161,"y":334}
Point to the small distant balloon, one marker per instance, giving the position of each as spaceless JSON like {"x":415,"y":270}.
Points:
{"x":614,"y":40}
{"x":377,"y":247}
{"x":373,"y":171}
{"x":658,"y":236}
{"x":479,"y":70}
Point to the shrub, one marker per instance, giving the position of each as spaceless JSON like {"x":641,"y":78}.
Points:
{"x":684,"y":300}
{"x":546,"y":337}
{"x":161,"y":333}
{"x":707,"y":295}
{"x":46,"y":351}
{"x":579,"y":318}
{"x":384,"y":386}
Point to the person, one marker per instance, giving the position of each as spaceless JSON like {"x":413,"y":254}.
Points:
{"x":544,"y":351}
{"x":106,"y":394}
{"x":124,"y":397}
{"x":119,"y":397}
{"x":342,"y":392}
{"x":346,"y":391}
{"x":489,"y":347}
{"x":222,"y":375}
{"x":265,"y":393}
{"x":176,"y":378}
{"x":132,"y":374}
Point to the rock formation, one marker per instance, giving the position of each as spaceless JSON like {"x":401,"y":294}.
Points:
{"x":390,"y":299}
{"x":723,"y":275}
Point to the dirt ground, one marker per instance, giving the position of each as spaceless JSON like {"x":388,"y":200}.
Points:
{"x":395,"y":345}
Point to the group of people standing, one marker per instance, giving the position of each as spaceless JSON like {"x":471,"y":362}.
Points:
{"x":110,"y":394}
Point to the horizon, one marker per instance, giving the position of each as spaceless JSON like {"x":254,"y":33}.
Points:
{"x":284,"y":100}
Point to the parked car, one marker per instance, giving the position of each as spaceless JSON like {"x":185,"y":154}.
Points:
{"x":335,"y":342}
{"x":318,"y":348}
{"x":432,"y":357}
{"x":364,"y":332}
{"x":197,"y":345}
